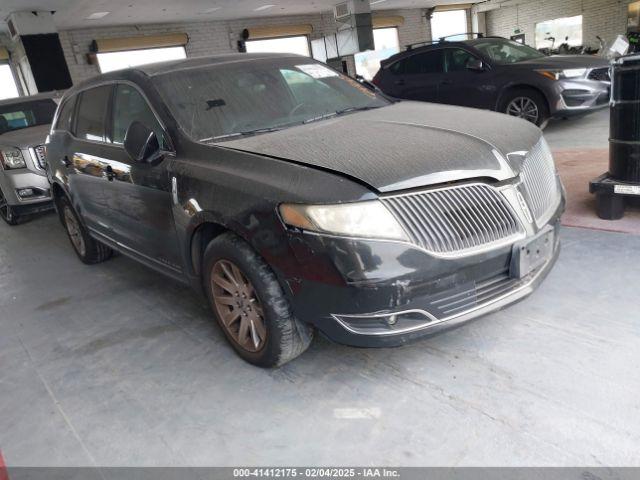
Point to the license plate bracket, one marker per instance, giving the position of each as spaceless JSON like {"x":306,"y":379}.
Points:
{"x":532,"y":253}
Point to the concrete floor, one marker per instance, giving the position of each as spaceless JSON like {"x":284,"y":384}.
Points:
{"x":590,"y":131}
{"x":113,"y":365}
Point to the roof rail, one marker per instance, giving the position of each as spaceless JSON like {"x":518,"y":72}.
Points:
{"x":421,"y":44}
{"x":443,"y":39}
{"x":469,"y":35}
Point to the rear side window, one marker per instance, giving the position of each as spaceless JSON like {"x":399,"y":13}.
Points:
{"x":130,"y":106}
{"x":420,"y":64}
{"x":92,"y":113}
{"x":66,"y":114}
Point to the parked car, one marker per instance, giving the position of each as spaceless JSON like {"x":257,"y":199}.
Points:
{"x":498,"y":74}
{"x":24,"y":125}
{"x":297,"y":199}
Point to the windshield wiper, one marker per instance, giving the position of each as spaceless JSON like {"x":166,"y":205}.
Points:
{"x":242,"y":134}
{"x":356,"y":109}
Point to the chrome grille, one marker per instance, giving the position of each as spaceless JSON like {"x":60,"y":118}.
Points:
{"x":456,"y":219}
{"x":600,"y":74}
{"x":539,"y":178}
{"x":40,"y":156}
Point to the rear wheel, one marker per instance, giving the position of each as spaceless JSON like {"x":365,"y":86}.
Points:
{"x":250,"y":305}
{"x":7,"y":212}
{"x":89,"y":250}
{"x":527,"y":104}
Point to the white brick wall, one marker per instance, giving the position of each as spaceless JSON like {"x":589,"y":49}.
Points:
{"x":606,"y":18}
{"x":215,"y":37}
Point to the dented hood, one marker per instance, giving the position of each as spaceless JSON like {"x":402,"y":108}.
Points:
{"x":404,"y":145}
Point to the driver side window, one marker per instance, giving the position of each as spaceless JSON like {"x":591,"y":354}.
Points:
{"x":457,"y":59}
{"x":130,"y":106}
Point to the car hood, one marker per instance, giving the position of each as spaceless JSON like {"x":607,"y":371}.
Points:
{"x":566,"y":61}
{"x":404,"y":145}
{"x":25,"y":137}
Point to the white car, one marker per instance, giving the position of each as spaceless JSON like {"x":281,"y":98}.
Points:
{"x":24,"y":126}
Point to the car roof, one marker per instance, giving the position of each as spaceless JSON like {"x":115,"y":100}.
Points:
{"x":437,"y":44}
{"x":161,"y":68}
{"x":31,"y":98}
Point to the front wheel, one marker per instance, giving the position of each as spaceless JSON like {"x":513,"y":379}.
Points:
{"x":7,"y":212}
{"x":250,"y":305}
{"x":526,"y":104}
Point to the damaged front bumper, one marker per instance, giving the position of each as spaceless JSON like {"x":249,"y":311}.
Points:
{"x":374,"y":294}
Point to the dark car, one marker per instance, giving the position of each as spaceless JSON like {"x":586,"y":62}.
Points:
{"x":297,"y":199}
{"x":500,"y":75}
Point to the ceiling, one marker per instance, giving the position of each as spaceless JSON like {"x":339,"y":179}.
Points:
{"x":73,"y":13}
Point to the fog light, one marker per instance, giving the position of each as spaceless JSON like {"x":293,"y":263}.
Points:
{"x":26,"y":192}
{"x":386,"y":323}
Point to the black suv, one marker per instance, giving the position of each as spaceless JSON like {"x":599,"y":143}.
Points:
{"x":298,"y":199}
{"x":498,"y":74}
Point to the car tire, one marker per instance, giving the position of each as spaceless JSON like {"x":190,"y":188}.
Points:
{"x":89,"y":250}
{"x":527,"y":104}
{"x":249,"y":304}
{"x":7,"y":212}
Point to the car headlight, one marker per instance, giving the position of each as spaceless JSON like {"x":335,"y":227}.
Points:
{"x":560,"y":74}
{"x":12,"y":159}
{"x":370,"y":219}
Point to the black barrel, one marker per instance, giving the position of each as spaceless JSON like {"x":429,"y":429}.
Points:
{"x":624,"y":143}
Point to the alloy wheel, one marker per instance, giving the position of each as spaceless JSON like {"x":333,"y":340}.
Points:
{"x":238,"y":306}
{"x":525,"y":108}
{"x":73,"y":228}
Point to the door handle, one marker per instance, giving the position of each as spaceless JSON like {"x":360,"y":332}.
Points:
{"x":446,"y":82}
{"x":400,"y":82}
{"x":109,"y":173}
{"x":66,"y":162}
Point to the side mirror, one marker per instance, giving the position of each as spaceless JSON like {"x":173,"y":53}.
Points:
{"x":475,"y":64}
{"x":141,"y":143}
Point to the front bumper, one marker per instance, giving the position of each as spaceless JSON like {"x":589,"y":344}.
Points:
{"x":579,"y":97}
{"x":12,"y":181}
{"x":351,"y":290}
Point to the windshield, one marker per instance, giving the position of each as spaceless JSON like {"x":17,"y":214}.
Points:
{"x":506,"y":51}
{"x":219,"y":102}
{"x":28,"y":114}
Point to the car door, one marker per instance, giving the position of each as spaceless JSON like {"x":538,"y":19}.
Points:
{"x":418,"y":76}
{"x":139,"y":194}
{"x":464,"y":83}
{"x":86,"y":157}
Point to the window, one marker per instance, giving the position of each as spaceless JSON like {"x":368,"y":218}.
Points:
{"x":27,"y":114}
{"x":553,"y":33}
{"x":420,"y":64}
{"x":386,"y":43}
{"x":66,"y":114}
{"x":456,"y":59}
{"x":215,"y":102}
{"x":130,"y":106}
{"x":92,"y":113}
{"x":308,"y":92}
{"x":8,"y":87}
{"x":111,"y":61}
{"x":506,"y":51}
{"x":452,"y":22}
{"x":298,"y":45}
